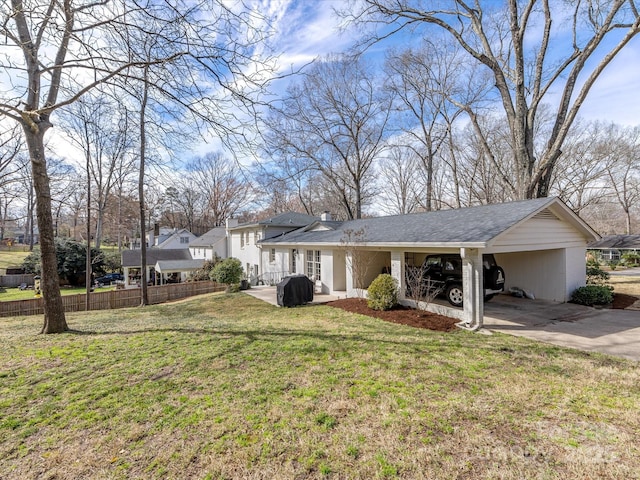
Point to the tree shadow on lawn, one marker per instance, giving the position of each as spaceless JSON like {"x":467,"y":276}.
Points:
{"x":436,"y":343}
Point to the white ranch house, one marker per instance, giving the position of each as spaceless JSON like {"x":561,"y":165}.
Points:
{"x":540,"y":243}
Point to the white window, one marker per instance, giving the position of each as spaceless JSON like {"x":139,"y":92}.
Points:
{"x":246,"y":240}
{"x":313,"y":264}
{"x":241,"y":240}
{"x":272,"y":255}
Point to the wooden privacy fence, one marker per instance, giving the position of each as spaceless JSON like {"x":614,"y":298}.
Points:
{"x":15,"y":280}
{"x":113,"y":299}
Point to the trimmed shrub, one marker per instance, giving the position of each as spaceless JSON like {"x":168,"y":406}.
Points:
{"x":593,"y":295}
{"x":382,"y":294}
{"x":229,"y":272}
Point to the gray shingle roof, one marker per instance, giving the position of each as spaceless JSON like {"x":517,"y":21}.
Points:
{"x":131,"y":258}
{"x":179,"y":265}
{"x":617,"y":241}
{"x":212,"y":237}
{"x":287,"y":219}
{"x":458,"y":227}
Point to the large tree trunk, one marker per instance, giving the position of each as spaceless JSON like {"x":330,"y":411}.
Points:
{"x":144,"y":300}
{"x":54,"y":318}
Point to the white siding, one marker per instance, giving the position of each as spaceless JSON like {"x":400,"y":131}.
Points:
{"x":247,"y":253}
{"x":542,"y":273}
{"x":339,"y":271}
{"x":538,"y":234}
{"x":576,"y":269}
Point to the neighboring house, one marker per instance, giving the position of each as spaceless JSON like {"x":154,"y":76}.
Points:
{"x":212,"y":243}
{"x":177,"y":239}
{"x":244,"y":244}
{"x":612,"y":247}
{"x":165,"y":237}
{"x":163,"y":266}
{"x":540,"y":243}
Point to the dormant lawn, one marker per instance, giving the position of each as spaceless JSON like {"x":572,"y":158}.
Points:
{"x":225,"y":386}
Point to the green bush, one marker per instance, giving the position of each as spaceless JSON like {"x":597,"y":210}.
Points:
{"x":72,"y":261}
{"x":613,"y":264}
{"x":593,"y":295}
{"x":382,"y":294}
{"x":204,"y":273}
{"x":630,"y":259}
{"x":112,"y":260}
{"x":229,"y":272}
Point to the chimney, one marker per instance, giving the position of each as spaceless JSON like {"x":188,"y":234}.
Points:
{"x":231,"y":222}
{"x":325,"y":216}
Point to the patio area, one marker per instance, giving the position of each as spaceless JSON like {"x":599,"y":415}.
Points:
{"x":268,"y":294}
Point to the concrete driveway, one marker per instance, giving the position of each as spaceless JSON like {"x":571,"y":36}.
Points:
{"x":615,"y":332}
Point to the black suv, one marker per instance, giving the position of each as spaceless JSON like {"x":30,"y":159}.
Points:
{"x":444,"y":273}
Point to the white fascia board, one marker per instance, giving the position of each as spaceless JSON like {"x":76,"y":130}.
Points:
{"x":377,"y":246}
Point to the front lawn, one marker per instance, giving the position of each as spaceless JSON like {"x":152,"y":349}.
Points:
{"x":227,"y":386}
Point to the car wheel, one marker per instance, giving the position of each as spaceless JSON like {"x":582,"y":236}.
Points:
{"x":455,"y":295}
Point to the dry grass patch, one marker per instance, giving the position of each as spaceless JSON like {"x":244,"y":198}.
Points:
{"x":625,"y":284}
{"x":226,"y":386}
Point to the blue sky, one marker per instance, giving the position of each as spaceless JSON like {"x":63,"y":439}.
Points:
{"x":306,"y":29}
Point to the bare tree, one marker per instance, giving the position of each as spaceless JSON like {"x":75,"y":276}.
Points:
{"x":100,"y":129}
{"x":11,"y":146}
{"x":623,"y":170}
{"x":581,"y":177}
{"x":399,"y":181}
{"x":419,"y":287}
{"x":359,"y":260}
{"x":427,"y":81}
{"x":224,"y":187}
{"x":513,"y":43}
{"x":68,"y":48}
{"x":334,"y":122}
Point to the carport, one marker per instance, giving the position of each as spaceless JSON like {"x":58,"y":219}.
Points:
{"x":540,"y":243}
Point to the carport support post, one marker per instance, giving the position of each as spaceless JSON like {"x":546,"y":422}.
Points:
{"x":472,"y":287}
{"x":397,"y":272}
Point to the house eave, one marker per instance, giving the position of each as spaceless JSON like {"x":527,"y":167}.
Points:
{"x":378,"y":245}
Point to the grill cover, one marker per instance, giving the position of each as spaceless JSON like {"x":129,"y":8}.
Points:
{"x":294,"y":290}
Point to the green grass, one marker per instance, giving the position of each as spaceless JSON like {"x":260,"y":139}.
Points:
{"x":13,"y":256}
{"x":16,"y":294}
{"x":226,"y":386}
